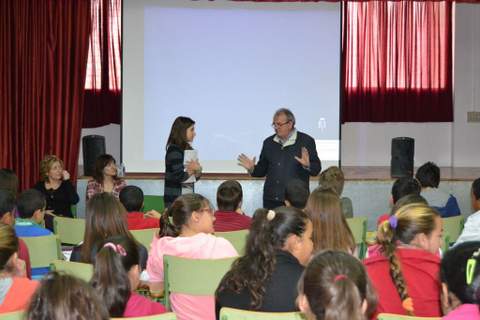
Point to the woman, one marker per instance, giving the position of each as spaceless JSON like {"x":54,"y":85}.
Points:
{"x":405,"y":274}
{"x":279,"y":245}
{"x":105,"y":178}
{"x":180,"y":176}
{"x":330,"y":229}
{"x":59,"y":192}
{"x":15,"y":288}
{"x":105,"y":217}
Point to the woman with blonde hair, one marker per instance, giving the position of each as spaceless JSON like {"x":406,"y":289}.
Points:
{"x":330,"y":229}
{"x":59,"y":192}
{"x":405,"y":275}
{"x":334,"y":178}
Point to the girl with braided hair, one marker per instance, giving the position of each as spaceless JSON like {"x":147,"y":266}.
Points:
{"x":405,"y":274}
{"x":265,"y":278}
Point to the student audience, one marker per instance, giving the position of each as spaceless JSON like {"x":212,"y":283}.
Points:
{"x":9,"y":181}
{"x":334,"y":178}
{"x":460,"y":276}
{"x":15,"y":288}
{"x":189,"y":236}
{"x":30,"y":209}
{"x":132,"y":199}
{"x":471,"y":229}
{"x":59,"y":192}
{"x":330,"y":228}
{"x":296,"y":194}
{"x":265,"y":278}
{"x":405,"y":275}
{"x":401,"y":188}
{"x":105,"y":217}
{"x":429,"y":177}
{"x":7,"y":205}
{"x":334,"y":286}
{"x":117,"y":276}
{"x":65,"y":297}
{"x":105,"y":178}
{"x":229,"y":216}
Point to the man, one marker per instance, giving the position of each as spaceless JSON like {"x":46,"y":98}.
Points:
{"x":288,"y":154}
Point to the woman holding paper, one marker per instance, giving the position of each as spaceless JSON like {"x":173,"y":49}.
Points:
{"x":182,"y":168}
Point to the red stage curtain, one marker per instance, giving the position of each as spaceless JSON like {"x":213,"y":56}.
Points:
{"x":103,"y":96}
{"x":43,"y":56}
{"x":397,"y":61}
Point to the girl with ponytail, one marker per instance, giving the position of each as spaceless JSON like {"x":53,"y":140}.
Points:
{"x":188,"y":235}
{"x":117,"y":276}
{"x":405,"y":275}
{"x":279,"y":245}
{"x":336,"y":286}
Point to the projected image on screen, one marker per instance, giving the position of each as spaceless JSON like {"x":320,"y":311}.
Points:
{"x":229,"y":67}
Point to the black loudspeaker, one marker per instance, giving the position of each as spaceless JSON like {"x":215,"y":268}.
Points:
{"x":93,"y":146}
{"x":403,"y":151}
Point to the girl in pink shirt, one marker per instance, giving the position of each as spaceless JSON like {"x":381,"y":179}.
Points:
{"x":188,"y":236}
{"x":117,"y":276}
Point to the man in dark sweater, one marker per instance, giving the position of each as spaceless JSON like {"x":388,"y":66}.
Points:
{"x":288,"y":154}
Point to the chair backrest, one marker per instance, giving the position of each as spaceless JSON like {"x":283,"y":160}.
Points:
{"x":80,"y":270}
{"x":144,"y":236}
{"x":391,"y":316}
{"x":151,"y":202}
{"x":43,"y":250}
{"x":198,"y":277}
{"x":236,"y":314}
{"x":163,"y":316}
{"x":452,"y":228}
{"x":358,"y":226}
{"x":16,"y":315}
{"x":237,"y":238}
{"x":69,"y":230}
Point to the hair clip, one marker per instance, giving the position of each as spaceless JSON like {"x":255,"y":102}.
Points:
{"x":407,"y":304}
{"x":270,"y":215}
{"x":339,"y":277}
{"x":117,"y":248}
{"x":393,"y":221}
{"x":471,"y":265}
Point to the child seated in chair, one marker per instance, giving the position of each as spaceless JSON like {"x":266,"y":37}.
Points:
{"x":334,"y":178}
{"x":188,"y":236}
{"x":229,"y":216}
{"x":31,"y":209}
{"x":471,"y":229}
{"x":132,"y":199}
{"x":296,"y":194}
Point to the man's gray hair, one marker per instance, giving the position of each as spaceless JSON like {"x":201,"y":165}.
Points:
{"x":287,"y":113}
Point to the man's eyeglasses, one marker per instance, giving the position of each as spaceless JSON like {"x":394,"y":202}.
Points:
{"x":279,"y":125}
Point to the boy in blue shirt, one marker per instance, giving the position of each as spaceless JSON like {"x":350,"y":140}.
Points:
{"x":31,"y":209}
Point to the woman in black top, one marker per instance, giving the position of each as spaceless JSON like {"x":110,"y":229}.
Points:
{"x":59,"y":192}
{"x":180,"y":176}
{"x":279,"y":245}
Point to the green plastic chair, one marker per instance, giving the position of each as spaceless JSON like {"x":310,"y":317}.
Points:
{"x":151,"y":202}
{"x":16,"y":315}
{"x":80,"y":270}
{"x":163,"y":316}
{"x":236,"y":314}
{"x":452,"y":228}
{"x":391,"y":316}
{"x":144,"y":236}
{"x":181,"y":275}
{"x":237,"y":238}
{"x":43,"y":250}
{"x":358,"y":227}
{"x":69,"y":230}
{"x":73,"y":208}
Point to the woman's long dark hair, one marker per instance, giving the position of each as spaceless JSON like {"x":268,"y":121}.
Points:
{"x":267,"y":234}
{"x":100,"y":163}
{"x":178,"y":133}
{"x":105,"y":217}
{"x":110,"y":279}
{"x":180,"y":212}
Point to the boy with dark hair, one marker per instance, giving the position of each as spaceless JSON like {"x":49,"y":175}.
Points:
{"x":471,"y":229}
{"x":132,"y":199}
{"x":229,"y":216}
{"x":31,"y":209}
{"x":429,"y":177}
{"x":296,"y":194}
{"x":7,"y":207}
